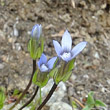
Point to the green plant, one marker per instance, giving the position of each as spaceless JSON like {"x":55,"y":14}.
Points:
{"x":2,"y":97}
{"x":91,"y":102}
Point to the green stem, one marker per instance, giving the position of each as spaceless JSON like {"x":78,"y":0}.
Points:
{"x":40,"y":96}
{"x":29,"y":101}
{"x":28,"y":86}
{"x":48,"y":97}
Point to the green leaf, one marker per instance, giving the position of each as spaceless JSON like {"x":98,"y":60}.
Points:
{"x":2,"y":97}
{"x":16,"y":92}
{"x":38,"y":53}
{"x":68,"y":70}
{"x":40,"y":96}
{"x":99,"y":103}
{"x":71,"y":65}
{"x":53,"y":72}
{"x":33,"y":48}
{"x":66,"y":76}
{"x":87,"y":107}
{"x":35,"y":76}
{"x":42,"y":44}
{"x":74,"y":105}
{"x":40,"y":79}
{"x":57,"y":78}
{"x":90,"y":99}
{"x":55,"y":62}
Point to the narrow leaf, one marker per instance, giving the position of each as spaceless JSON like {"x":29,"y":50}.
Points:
{"x":99,"y":103}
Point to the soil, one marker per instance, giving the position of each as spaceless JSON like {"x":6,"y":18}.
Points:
{"x":86,"y":20}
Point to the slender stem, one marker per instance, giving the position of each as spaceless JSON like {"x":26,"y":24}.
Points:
{"x":48,"y":97}
{"x":29,"y":101}
{"x":76,"y":100}
{"x":28,"y":86}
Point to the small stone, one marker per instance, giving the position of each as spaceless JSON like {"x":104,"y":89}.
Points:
{"x":72,"y":78}
{"x":6,"y":107}
{"x":17,"y":46}
{"x":1,"y":66}
{"x":93,"y":7}
{"x":103,"y":6}
{"x":108,"y":81}
{"x":65,"y":17}
{"x":96,"y":62}
{"x":15,"y":32}
{"x":96,"y":55}
{"x":80,"y":88}
{"x":86,"y":76}
{"x":58,"y":95}
{"x":60,"y":106}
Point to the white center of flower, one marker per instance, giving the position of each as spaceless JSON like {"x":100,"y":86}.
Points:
{"x":43,"y":68}
{"x":65,"y":55}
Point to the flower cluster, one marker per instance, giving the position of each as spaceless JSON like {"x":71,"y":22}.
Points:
{"x":65,"y":55}
{"x":59,"y":68}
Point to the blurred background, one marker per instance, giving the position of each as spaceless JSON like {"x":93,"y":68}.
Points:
{"x":86,"y":20}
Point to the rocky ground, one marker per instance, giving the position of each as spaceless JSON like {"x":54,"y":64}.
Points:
{"x":86,"y":20}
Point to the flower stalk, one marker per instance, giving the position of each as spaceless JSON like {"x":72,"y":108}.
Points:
{"x":48,"y":97}
{"x":31,"y":99}
{"x":28,"y":86}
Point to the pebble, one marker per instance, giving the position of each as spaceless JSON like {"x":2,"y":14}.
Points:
{"x":1,"y":66}
{"x":108,"y":81}
{"x":59,"y":93}
{"x":96,"y":55}
{"x":6,"y":107}
{"x":73,"y":78}
{"x":66,"y":18}
{"x":86,"y":76}
{"x":60,"y":106}
{"x":17,"y":46}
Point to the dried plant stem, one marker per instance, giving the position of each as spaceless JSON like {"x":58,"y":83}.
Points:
{"x":77,"y":101}
{"x":28,"y":86}
{"x":48,"y":97}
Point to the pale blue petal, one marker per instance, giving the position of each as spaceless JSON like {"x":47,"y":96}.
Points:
{"x":66,"y":56}
{"x":43,"y":59}
{"x":57,"y":47}
{"x":36,"y":31}
{"x":51,"y":62}
{"x":66,"y":41}
{"x":43,"y":68}
{"x":78,"y":48}
{"x":39,"y":31}
{"x":38,"y":63}
{"x":65,"y":59}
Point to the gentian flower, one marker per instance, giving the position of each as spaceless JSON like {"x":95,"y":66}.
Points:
{"x":36,"y":31}
{"x":64,"y":50}
{"x":36,"y":43}
{"x":41,"y":75}
{"x":44,"y":65}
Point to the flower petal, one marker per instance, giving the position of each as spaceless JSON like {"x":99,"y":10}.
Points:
{"x":43,"y":68}
{"x":57,"y":47}
{"x":66,"y":56}
{"x":36,"y":31}
{"x":51,"y":62}
{"x":78,"y":48}
{"x":43,"y":60}
{"x":66,"y":41}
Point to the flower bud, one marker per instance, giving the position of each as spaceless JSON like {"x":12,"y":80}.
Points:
{"x":36,"y":31}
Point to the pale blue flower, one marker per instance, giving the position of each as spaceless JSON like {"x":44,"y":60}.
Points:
{"x":64,"y":50}
{"x":45,"y":65}
{"x":36,"y":31}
